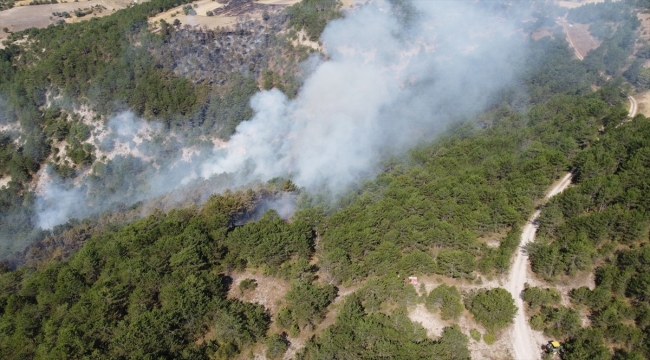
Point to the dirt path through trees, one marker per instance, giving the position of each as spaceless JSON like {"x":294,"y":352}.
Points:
{"x":525,"y":346}
{"x":568,"y":37}
{"x":633,"y":107}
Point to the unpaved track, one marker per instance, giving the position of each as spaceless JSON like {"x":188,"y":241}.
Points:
{"x":633,"y":107}
{"x":568,"y":37}
{"x":523,"y":341}
{"x":633,"y":104}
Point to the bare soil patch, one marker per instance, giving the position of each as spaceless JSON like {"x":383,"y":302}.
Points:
{"x":579,"y":38}
{"x":432,"y":322}
{"x":542,"y":33}
{"x":644,"y":32}
{"x":643,"y":101}
{"x":577,"y":3}
{"x":269,"y":292}
{"x":225,"y":12}
{"x":493,"y":239}
{"x":4,"y":181}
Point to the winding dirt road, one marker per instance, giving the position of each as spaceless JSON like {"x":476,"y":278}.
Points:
{"x":522,"y":338}
{"x":633,"y":107}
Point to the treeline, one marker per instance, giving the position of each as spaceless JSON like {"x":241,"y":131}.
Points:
{"x":607,"y":11}
{"x":373,"y":322}
{"x":358,"y":334}
{"x":112,"y":64}
{"x":96,"y":59}
{"x":312,"y":16}
{"x":153,"y":288}
{"x":428,"y":216}
{"x":6,"y":4}
{"x":603,"y":220}
{"x":615,"y":23}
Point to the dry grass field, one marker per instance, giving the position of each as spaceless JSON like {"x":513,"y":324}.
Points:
{"x":225,"y":14}
{"x":40,"y":16}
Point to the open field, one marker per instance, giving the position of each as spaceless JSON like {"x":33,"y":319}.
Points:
{"x":582,"y":39}
{"x":577,"y":3}
{"x":200,"y":19}
{"x":40,"y":16}
{"x":644,"y":31}
{"x":224,"y":14}
{"x":579,"y":38}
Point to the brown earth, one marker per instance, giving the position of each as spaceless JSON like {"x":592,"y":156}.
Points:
{"x":40,"y":16}
{"x":579,"y":38}
{"x":226,"y":13}
{"x":644,"y":32}
{"x":643,"y":100}
{"x":541,"y":33}
{"x":577,"y":3}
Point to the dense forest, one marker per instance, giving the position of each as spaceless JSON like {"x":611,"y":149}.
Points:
{"x":118,"y":286}
{"x":601,"y":225}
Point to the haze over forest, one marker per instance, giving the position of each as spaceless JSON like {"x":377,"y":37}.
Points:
{"x":315,"y":179}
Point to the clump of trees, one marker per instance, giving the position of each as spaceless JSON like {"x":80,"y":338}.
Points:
{"x":276,"y":346}
{"x":6,"y":4}
{"x":447,"y":299}
{"x":494,"y":309}
{"x":536,"y":297}
{"x":306,"y":305}
{"x":313,"y":15}
{"x":153,"y":285}
{"x":361,"y":335}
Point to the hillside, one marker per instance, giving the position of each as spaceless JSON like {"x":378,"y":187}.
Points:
{"x":314,"y":180}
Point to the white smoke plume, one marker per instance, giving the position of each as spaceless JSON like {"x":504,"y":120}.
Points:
{"x":390,"y":79}
{"x":385,"y":86}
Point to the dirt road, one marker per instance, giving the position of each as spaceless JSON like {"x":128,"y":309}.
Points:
{"x":633,"y":107}
{"x":526,"y":347}
{"x":568,"y":37}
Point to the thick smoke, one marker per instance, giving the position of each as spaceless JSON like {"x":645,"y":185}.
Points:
{"x":389,"y":82}
{"x":392,"y":77}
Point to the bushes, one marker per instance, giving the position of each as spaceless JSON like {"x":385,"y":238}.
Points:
{"x":494,"y":309}
{"x":313,"y":15}
{"x":247,"y":284}
{"x":490,"y":338}
{"x":556,"y":322}
{"x":359,"y":335}
{"x":306,"y":304}
{"x":448,"y":299}
{"x":276,"y":346}
{"x":537,"y":297}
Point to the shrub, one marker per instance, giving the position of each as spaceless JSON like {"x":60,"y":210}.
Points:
{"x":475,"y":334}
{"x":248,"y":284}
{"x":489,"y":338}
{"x":276,"y":346}
{"x":447,"y":298}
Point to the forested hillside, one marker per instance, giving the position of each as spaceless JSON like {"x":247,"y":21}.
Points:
{"x":601,"y":225}
{"x":196,"y":82}
{"x":120,"y":285}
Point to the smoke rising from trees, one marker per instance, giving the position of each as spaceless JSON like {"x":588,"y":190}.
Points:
{"x":386,"y":85}
{"x":393,"y":76}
